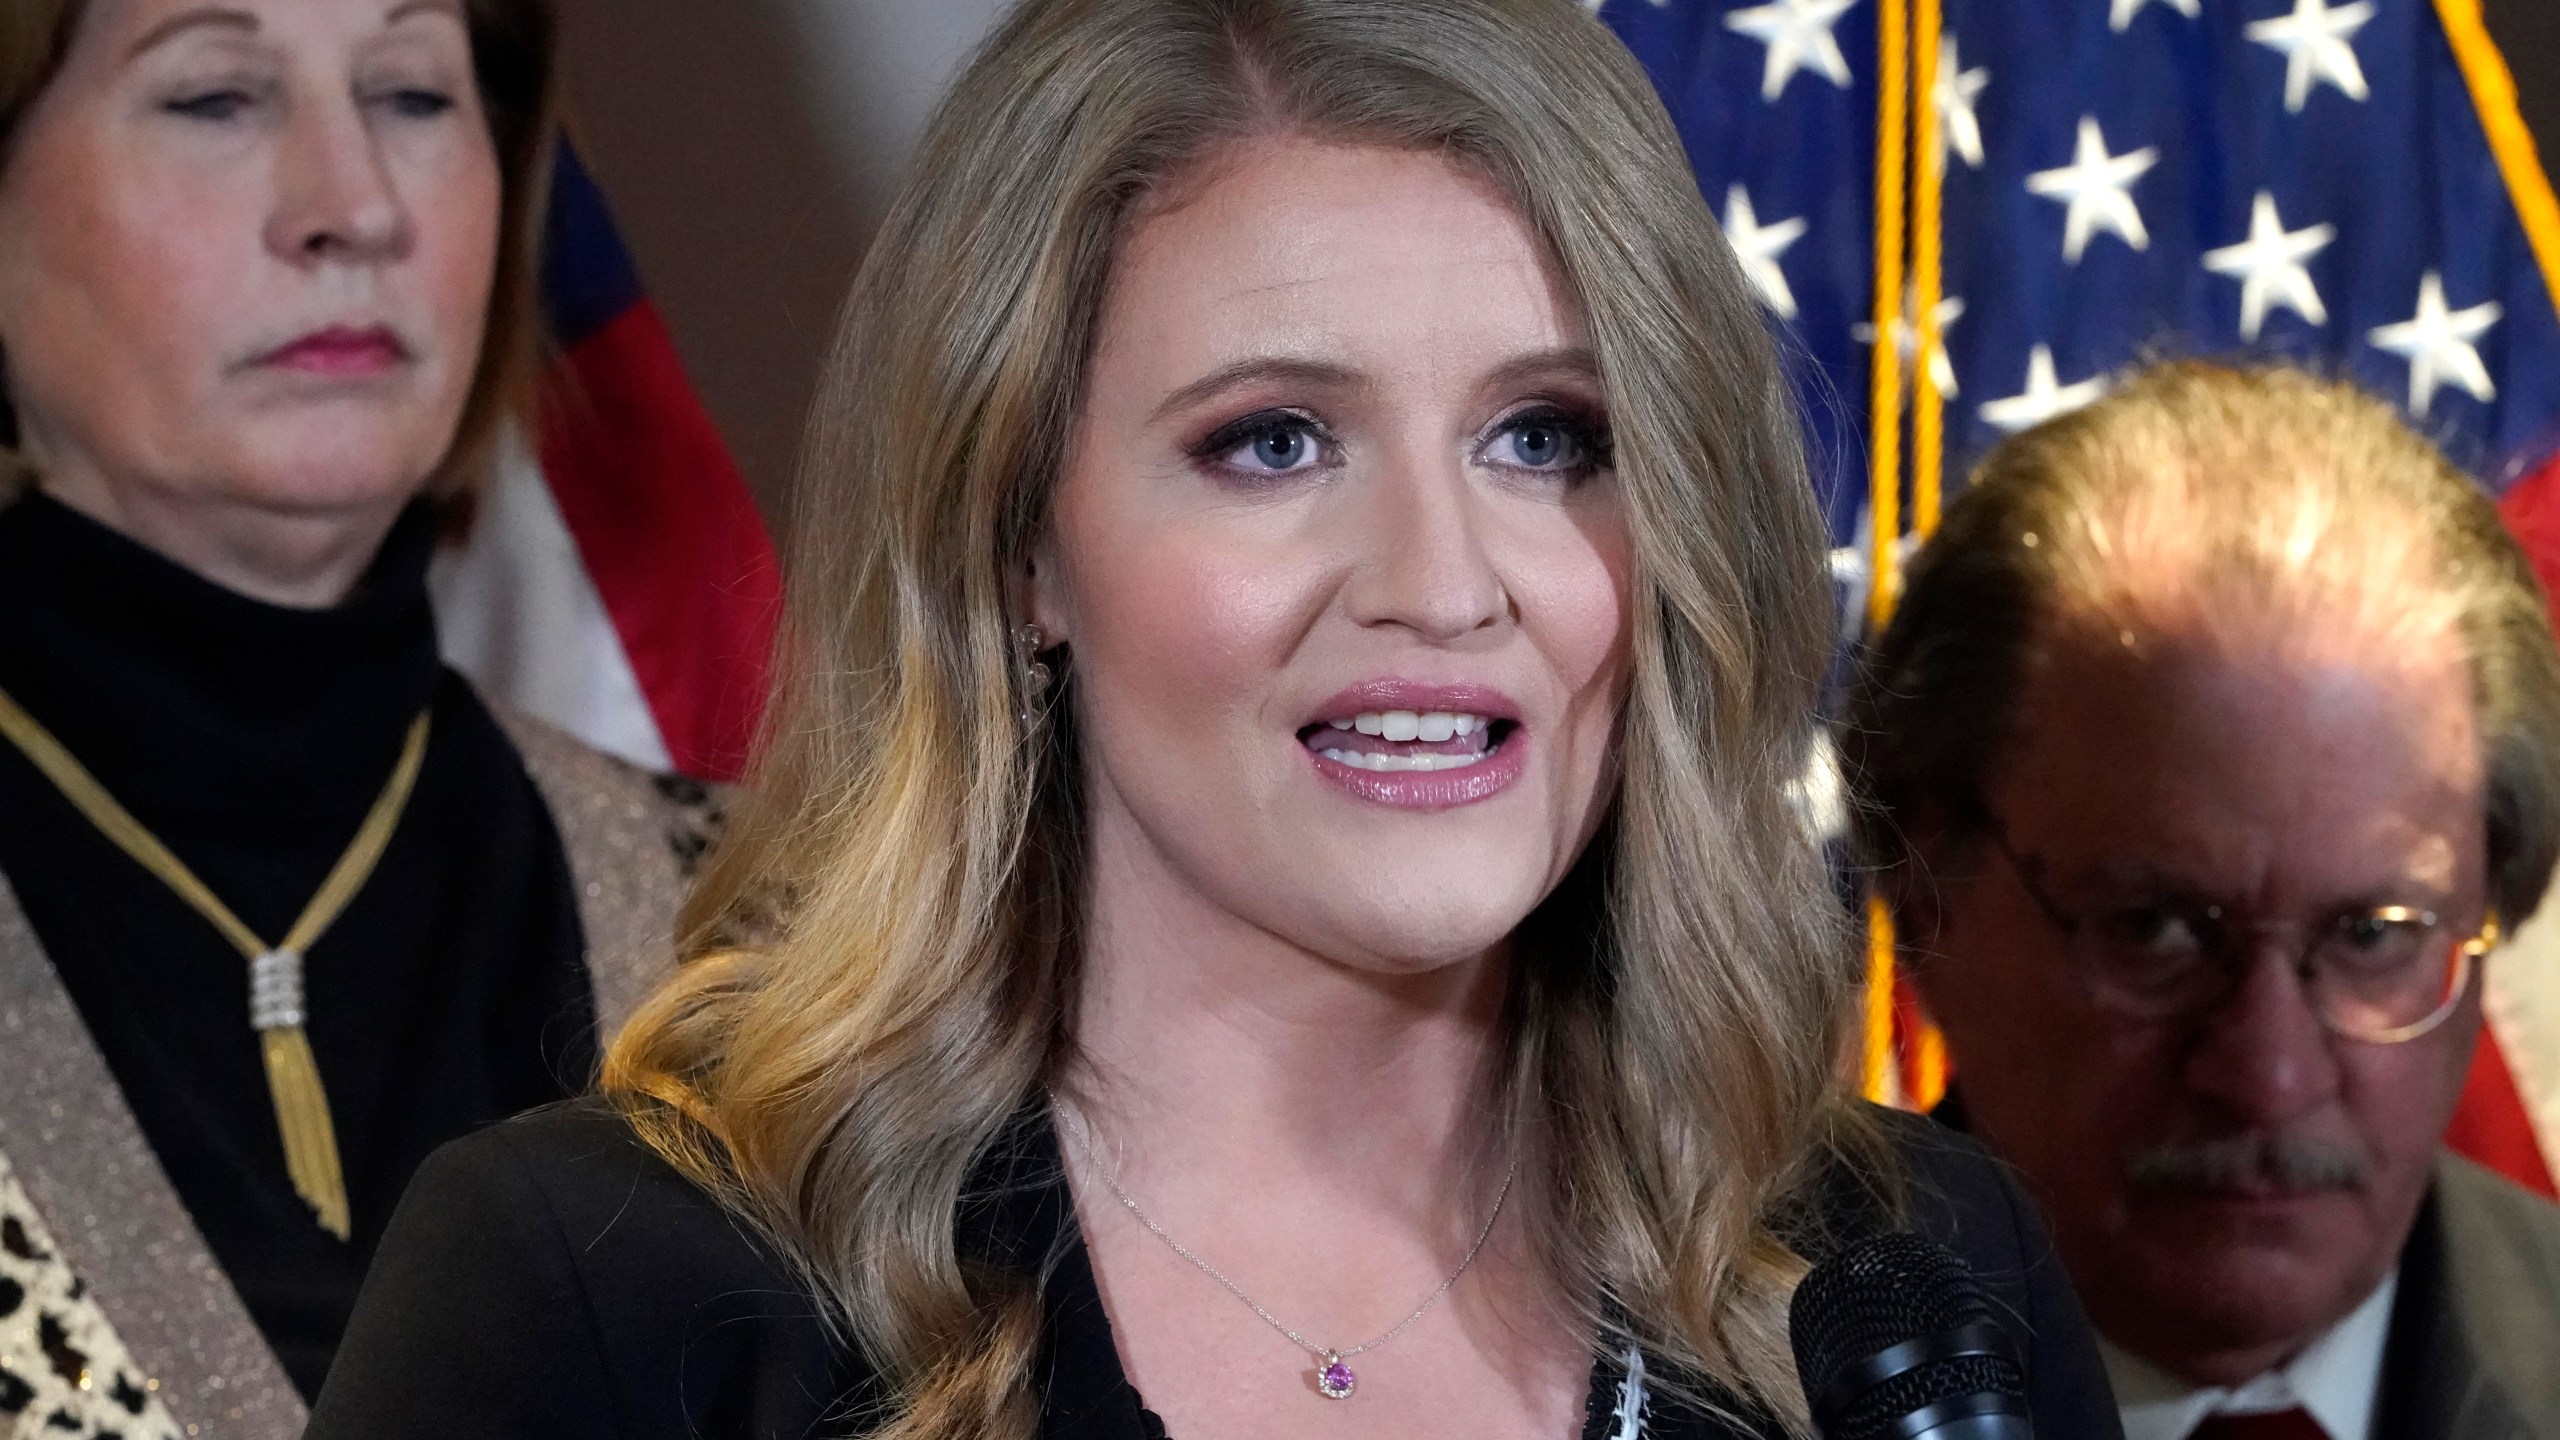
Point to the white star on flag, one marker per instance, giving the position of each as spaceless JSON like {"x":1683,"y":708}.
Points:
{"x":2098,"y":188}
{"x":2120,"y":19}
{"x":2437,"y":344}
{"x":1954,"y":94}
{"x":2043,"y":398}
{"x":1758,"y":247}
{"x":2269,"y":267}
{"x":1798,"y":34}
{"x":1906,"y":336}
{"x":2315,"y":42}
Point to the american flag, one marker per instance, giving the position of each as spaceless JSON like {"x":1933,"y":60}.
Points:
{"x":2067,"y":187}
{"x":619,"y":583}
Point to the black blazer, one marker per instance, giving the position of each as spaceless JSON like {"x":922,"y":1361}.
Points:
{"x":552,"y":1277}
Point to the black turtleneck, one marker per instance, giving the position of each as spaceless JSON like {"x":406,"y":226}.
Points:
{"x":251,"y":738}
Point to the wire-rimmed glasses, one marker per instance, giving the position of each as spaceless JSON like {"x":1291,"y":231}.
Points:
{"x":2381,"y":974}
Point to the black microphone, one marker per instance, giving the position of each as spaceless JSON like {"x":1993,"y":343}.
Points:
{"x":1894,"y":1341}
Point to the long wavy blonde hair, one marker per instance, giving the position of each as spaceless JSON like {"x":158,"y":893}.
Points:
{"x":883,"y":956}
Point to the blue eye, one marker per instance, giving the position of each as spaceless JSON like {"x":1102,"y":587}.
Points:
{"x":1275,"y":442}
{"x":1280,"y":449}
{"x":1549,"y":440}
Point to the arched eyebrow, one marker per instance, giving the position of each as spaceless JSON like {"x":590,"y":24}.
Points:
{"x":1259,"y":367}
{"x":226,"y":17}
{"x":211,"y":16}
{"x":450,"y":8}
{"x":1575,"y":361}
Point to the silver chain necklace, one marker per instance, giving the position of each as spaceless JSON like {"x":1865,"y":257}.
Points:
{"x":1334,"y":1379}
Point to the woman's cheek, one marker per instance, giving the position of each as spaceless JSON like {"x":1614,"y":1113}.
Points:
{"x":463,"y":251}
{"x":1201,"y":618}
{"x":1573,"y":588}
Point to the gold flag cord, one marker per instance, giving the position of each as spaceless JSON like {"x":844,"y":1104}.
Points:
{"x":1924,"y":1079}
{"x":276,"y":997}
{"x":1908,"y":285}
{"x":1884,"y":399}
{"x":1884,"y":461}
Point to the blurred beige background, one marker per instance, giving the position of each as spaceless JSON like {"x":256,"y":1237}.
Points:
{"x":749,"y":147}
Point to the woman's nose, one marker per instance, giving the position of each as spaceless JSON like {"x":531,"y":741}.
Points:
{"x":335,"y":198}
{"x":1424,"y":562}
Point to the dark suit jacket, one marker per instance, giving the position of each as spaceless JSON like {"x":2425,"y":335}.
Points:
{"x":2474,"y":1347}
{"x":2474,"y":1352}
{"x":554,"y":1278}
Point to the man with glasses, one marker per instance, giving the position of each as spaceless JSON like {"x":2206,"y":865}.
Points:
{"x":2213,"y":745}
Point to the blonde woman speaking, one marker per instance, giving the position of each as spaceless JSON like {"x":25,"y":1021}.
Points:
{"x":1274,"y":910}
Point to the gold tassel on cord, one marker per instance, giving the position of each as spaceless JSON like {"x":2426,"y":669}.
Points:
{"x":302,"y":1117}
{"x":276,"y":1003}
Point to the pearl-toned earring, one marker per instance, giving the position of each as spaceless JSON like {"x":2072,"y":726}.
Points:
{"x":1028,"y":642}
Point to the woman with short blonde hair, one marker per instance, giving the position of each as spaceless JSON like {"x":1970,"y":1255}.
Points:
{"x":1307,"y":602}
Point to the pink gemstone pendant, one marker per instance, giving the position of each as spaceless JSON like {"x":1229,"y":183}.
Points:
{"x":1335,"y":1378}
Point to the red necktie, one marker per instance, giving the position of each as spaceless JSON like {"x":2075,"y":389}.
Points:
{"x":2273,"y":1425}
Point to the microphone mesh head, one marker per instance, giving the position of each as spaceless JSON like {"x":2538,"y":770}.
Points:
{"x":1885,"y":1291}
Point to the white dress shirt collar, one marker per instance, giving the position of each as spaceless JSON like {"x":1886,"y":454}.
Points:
{"x":2336,"y":1378}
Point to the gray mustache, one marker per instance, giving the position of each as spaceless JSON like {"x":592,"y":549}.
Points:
{"x":2234,"y":1162}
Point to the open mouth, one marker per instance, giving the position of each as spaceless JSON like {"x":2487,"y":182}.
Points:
{"x":1408,"y":741}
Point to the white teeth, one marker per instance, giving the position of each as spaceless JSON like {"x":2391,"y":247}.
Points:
{"x":1432,"y":726}
{"x":1360,"y":760}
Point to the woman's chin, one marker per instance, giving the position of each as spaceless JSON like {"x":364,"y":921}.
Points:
{"x":346,"y":451}
{"x":338,"y":473}
{"x":1416,"y":924}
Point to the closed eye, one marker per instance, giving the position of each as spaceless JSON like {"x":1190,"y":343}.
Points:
{"x":212,"y":105}
{"x":417,"y":104}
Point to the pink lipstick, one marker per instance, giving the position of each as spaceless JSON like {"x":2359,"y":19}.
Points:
{"x":341,"y":351}
{"x":1416,"y":746}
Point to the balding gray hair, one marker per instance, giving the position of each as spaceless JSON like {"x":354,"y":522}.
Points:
{"x":2287,"y":498}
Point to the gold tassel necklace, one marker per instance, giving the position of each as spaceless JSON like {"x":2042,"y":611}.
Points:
{"x":275,"y":971}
